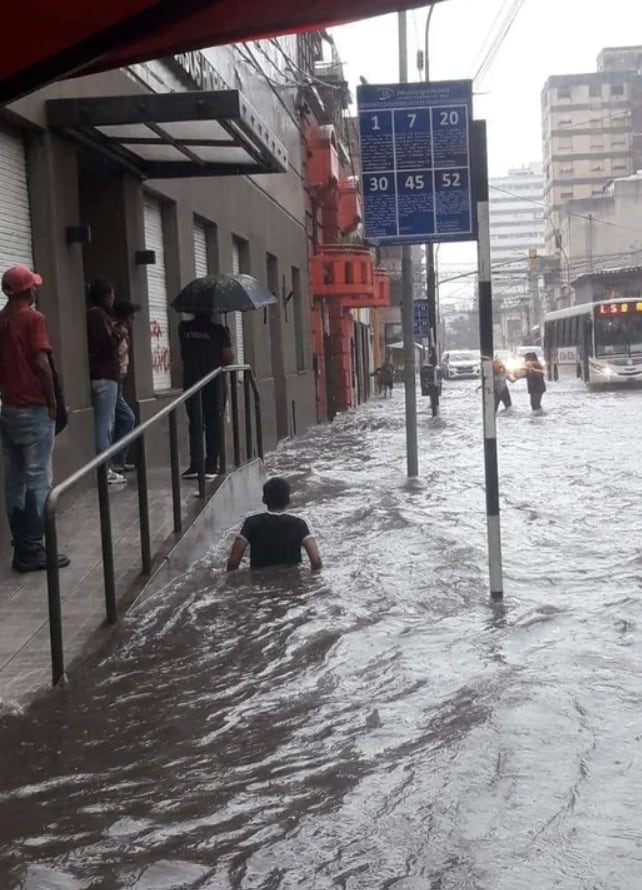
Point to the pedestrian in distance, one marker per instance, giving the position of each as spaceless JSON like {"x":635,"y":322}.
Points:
{"x":535,"y":382}
{"x":386,"y":377}
{"x":205,"y":346}
{"x":123,"y":314}
{"x":29,"y":415}
{"x":275,"y":537}
{"x":104,"y":366}
{"x":501,"y":378}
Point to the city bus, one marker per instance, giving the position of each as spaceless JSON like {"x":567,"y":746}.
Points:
{"x":600,"y":343}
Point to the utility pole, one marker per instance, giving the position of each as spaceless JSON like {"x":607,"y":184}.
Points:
{"x":431,"y":283}
{"x":407,"y":295}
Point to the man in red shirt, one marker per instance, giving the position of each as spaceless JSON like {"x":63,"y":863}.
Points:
{"x":27,"y":418}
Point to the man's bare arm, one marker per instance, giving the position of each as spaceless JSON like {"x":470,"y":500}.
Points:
{"x":42,"y":369}
{"x":311,"y":548}
{"x":236,"y":554}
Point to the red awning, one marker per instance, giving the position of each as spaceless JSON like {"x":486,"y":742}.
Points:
{"x":47,"y":40}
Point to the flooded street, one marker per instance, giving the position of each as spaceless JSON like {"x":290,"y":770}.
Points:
{"x":381,"y":725}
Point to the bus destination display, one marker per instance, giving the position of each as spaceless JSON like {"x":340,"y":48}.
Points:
{"x":415,"y":162}
{"x":618,"y":308}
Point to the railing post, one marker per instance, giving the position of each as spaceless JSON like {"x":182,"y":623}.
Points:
{"x":53,"y":596}
{"x":175,"y":471}
{"x":200,"y":452}
{"x":248,"y":416}
{"x":220,"y":432}
{"x":143,"y":508}
{"x":107,"y":544}
{"x":236,"y":436}
{"x":258,"y":421}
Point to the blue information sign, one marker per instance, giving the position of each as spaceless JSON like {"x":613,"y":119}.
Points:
{"x":422,"y":330}
{"x":415,"y":162}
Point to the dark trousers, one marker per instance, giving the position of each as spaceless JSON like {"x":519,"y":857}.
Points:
{"x":213,"y":417}
{"x":536,"y":400}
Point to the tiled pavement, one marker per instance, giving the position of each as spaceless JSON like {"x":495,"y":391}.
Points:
{"x":25,"y":664}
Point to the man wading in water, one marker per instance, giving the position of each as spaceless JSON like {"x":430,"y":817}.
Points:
{"x":275,"y":537}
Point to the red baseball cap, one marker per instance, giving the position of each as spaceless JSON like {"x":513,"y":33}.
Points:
{"x":19,"y":279}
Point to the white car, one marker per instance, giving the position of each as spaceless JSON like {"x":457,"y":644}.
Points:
{"x":461,"y":364}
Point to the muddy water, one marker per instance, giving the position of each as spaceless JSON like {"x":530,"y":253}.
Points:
{"x":381,"y":724}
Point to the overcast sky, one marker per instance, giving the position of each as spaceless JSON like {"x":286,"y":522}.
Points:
{"x":548,"y":37}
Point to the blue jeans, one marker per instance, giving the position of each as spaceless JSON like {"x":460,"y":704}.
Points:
{"x":104,"y":394}
{"x":124,"y":423}
{"x":27,"y":443}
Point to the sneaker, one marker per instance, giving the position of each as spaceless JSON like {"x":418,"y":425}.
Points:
{"x":114,"y":478}
{"x":123,"y":468}
{"x":190,"y":473}
{"x":34,"y":559}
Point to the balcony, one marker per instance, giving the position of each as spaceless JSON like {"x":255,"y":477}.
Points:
{"x":322,"y":158}
{"x":346,"y":273}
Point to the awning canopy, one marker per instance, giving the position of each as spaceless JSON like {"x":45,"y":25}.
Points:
{"x":162,"y":136}
{"x":47,"y":40}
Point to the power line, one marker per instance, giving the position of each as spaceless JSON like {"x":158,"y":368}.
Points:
{"x":595,"y":219}
{"x":503,"y":32}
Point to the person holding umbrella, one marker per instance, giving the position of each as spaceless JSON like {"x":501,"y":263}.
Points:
{"x":205,"y":346}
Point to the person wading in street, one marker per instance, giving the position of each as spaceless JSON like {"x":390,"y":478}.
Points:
{"x":28,"y":417}
{"x":275,"y":537}
{"x":104,"y":367}
{"x":501,"y":378}
{"x":123,"y":313}
{"x":205,"y":346}
{"x":535,"y":382}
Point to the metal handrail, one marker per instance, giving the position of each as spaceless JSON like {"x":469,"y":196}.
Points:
{"x":100,"y":465}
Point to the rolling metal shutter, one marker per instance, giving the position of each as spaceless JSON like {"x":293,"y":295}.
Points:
{"x":201,"y":265}
{"x":157,"y":297}
{"x":239,"y":333}
{"x":15,"y":219}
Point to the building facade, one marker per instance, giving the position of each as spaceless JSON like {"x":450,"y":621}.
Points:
{"x":591,"y":131}
{"x":153,"y":175}
{"x":516,"y":230}
{"x":601,"y":233}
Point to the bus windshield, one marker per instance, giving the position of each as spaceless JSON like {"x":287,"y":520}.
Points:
{"x":618,"y":336}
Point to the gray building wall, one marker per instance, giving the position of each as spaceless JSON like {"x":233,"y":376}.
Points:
{"x":603,"y":232}
{"x":70,"y":184}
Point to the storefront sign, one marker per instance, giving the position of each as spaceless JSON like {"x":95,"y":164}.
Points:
{"x":199,"y":70}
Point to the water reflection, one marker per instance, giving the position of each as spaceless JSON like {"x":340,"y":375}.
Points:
{"x":382,"y":724}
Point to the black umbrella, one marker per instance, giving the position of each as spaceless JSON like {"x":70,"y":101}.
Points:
{"x":223,"y":293}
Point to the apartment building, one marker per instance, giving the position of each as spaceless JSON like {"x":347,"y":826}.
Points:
{"x":516,"y":231}
{"x":591,"y":129}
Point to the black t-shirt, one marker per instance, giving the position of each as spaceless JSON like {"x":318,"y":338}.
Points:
{"x":202,"y":343}
{"x":275,"y":539}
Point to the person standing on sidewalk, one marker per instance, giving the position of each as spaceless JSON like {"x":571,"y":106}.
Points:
{"x":205,"y":346}
{"x":123,"y":313}
{"x":27,"y":418}
{"x":104,"y":367}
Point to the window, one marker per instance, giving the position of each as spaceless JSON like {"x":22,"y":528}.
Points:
{"x":595,"y":90}
{"x":240,"y":263}
{"x":563,"y":93}
{"x":617,"y":89}
{"x":597,"y":168}
{"x":566,"y":195}
{"x":568,"y":169}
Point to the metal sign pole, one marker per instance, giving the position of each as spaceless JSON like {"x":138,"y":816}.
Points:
{"x":487,"y":353}
{"x":407,"y":295}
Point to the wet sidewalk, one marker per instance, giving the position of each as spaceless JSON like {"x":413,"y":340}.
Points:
{"x":25,"y":655}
